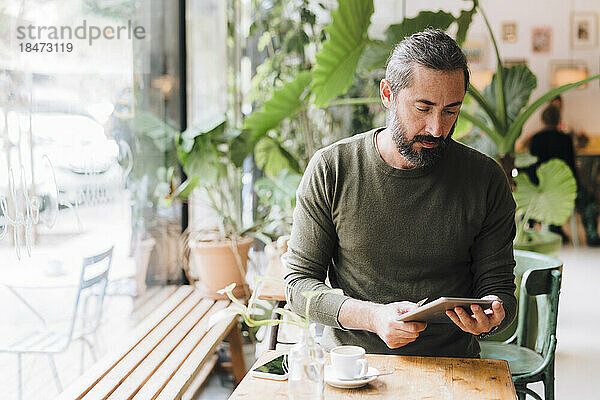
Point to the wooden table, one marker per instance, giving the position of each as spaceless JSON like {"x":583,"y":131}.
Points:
{"x":272,"y":290}
{"x":433,"y":378}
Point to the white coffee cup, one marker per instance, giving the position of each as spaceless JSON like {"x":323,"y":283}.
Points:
{"x":349,"y":362}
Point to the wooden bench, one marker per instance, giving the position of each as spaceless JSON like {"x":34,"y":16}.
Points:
{"x":168,"y":356}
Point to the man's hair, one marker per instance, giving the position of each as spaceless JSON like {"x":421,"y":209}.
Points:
{"x":551,"y":116}
{"x":430,"y":48}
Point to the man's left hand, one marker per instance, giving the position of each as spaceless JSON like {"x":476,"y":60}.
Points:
{"x":481,"y":321}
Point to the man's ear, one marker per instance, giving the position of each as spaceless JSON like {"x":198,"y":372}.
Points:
{"x":385,"y":91}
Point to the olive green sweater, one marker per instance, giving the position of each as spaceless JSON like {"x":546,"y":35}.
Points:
{"x":383,"y":234}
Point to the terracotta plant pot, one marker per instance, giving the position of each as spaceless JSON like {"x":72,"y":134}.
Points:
{"x":216,"y":266}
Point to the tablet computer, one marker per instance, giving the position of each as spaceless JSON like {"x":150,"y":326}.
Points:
{"x":435,"y":312}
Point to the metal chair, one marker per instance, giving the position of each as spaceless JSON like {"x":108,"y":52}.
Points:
{"x":92,"y":284}
{"x":532,"y":360}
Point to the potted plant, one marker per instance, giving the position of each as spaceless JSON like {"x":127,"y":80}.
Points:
{"x":306,"y":358}
{"x":550,"y":202}
{"x":503,"y":106}
{"x":217,"y":256}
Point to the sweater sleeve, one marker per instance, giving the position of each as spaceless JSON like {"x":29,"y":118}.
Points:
{"x":492,"y":251}
{"x":312,"y":245}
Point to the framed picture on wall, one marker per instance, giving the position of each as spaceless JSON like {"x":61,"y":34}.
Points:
{"x":584,"y":30}
{"x":541,"y":39}
{"x":563,"y":72}
{"x":511,"y":62}
{"x":509,"y":32}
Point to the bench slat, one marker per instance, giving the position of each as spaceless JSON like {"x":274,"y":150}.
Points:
{"x":172,"y":362}
{"x":94,"y":374}
{"x":169,"y":355}
{"x":144,"y":371}
{"x":179,"y":383}
{"x":198,"y":381}
{"x":111,"y":381}
{"x":144,"y":307}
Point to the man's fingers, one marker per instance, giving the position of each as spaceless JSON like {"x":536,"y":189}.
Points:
{"x":402,"y":331}
{"x":465,"y":318}
{"x":452,"y":315}
{"x":413,"y":327}
{"x":399,"y":343}
{"x":479,"y":315}
{"x":498,"y":313}
{"x":480,"y":321}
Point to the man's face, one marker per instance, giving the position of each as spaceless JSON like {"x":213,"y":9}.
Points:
{"x":423,"y":115}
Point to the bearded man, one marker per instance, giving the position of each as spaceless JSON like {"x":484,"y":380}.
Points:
{"x":401,"y":213}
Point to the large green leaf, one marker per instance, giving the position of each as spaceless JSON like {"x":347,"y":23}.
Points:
{"x":551,"y":201}
{"x":284,"y":103}
{"x":338,"y":59}
{"x":272,"y":158}
{"x":475,"y":119}
{"x":518,"y":82}
{"x":376,"y":53}
{"x":184,"y":190}
{"x":488,"y":111}
{"x":198,"y":151}
{"x":425,"y":19}
{"x":464,"y":21}
{"x":240,"y":148}
{"x":214,"y":125}
{"x":202,"y":161}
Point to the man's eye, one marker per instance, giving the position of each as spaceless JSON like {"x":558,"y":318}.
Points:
{"x":450,"y":112}
{"x":423,"y":109}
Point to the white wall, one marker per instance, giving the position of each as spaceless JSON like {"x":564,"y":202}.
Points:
{"x":581,"y":106}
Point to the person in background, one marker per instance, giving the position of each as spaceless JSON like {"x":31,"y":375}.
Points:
{"x":550,"y":143}
{"x":579,"y":139}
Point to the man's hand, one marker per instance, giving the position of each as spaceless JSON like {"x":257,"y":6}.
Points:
{"x":393,"y":332}
{"x":481,"y":321}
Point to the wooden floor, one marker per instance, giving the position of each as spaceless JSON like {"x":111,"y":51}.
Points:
{"x":121,"y":315}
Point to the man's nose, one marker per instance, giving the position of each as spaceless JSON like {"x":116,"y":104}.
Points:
{"x":435,"y":126}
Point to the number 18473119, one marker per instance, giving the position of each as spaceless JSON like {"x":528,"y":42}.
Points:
{"x":46,"y":47}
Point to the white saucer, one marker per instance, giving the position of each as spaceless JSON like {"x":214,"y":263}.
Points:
{"x":333,"y":380}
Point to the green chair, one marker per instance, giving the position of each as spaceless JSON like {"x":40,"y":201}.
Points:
{"x":533,"y":360}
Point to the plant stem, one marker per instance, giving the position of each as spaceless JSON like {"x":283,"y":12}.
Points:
{"x":500,"y":100}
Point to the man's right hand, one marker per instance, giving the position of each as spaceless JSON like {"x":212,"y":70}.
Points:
{"x":393,"y":332}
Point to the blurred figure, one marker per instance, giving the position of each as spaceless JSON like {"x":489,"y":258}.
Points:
{"x":579,"y":138}
{"x":550,"y":143}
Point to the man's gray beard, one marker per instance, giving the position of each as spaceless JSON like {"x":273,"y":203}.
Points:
{"x":421,"y":158}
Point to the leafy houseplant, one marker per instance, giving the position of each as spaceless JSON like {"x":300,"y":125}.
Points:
{"x":306,"y":358}
{"x":218,"y":256}
{"x":549,"y":202}
{"x":503,"y":105}
{"x":347,"y":50}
